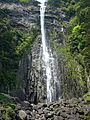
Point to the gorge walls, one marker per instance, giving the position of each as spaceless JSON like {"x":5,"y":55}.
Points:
{"x":37,"y":80}
{"x":31,"y":78}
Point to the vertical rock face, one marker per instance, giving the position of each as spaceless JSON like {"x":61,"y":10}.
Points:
{"x":32,"y":73}
{"x":25,"y":17}
{"x":29,"y":87}
{"x":32,"y":68}
{"x":32,"y":78}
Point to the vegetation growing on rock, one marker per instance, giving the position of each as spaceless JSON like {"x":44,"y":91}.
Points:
{"x":72,"y":46}
{"x":75,"y":51}
{"x":13,"y":44}
{"x":59,"y":110}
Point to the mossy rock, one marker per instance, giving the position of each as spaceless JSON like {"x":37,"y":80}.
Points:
{"x":7,"y":107}
{"x":88,"y":117}
{"x":87,"y":97}
{"x":5,"y":99}
{"x":51,"y":106}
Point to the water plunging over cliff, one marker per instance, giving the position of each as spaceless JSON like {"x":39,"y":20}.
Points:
{"x":48,"y":61}
{"x":45,"y":53}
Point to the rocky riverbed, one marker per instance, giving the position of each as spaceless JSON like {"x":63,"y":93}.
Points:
{"x":11,"y":108}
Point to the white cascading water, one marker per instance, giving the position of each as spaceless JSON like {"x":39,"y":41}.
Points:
{"x":45,"y":51}
{"x":52,"y":83}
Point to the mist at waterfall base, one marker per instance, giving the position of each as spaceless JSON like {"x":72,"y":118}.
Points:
{"x":52,"y":81}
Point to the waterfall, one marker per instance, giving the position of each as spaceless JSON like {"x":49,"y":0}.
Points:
{"x":48,"y":61}
{"x":45,"y":52}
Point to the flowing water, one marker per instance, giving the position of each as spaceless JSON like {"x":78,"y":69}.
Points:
{"x":49,"y":62}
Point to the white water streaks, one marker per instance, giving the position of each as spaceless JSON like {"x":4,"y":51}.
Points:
{"x":45,"y":53}
{"x":47,"y":57}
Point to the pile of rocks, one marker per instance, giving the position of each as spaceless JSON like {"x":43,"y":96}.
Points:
{"x":64,"y":110}
{"x":73,"y":109}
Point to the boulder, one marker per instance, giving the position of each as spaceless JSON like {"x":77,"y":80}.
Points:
{"x":26,"y":104}
{"x":49,"y":115}
{"x":22,"y":115}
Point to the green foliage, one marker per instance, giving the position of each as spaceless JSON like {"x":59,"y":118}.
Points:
{"x":88,"y":93}
{"x":78,"y":42}
{"x":9,"y":0}
{"x":7,"y":106}
{"x":20,"y":1}
{"x":70,"y":10}
{"x":87,"y":98}
{"x":25,"y":42}
{"x":78,"y":34}
{"x":61,"y":3}
{"x":13,"y":44}
{"x":5,"y":99}
{"x":54,"y":3}
{"x":24,"y":1}
{"x":32,"y":8}
{"x":76,"y":51}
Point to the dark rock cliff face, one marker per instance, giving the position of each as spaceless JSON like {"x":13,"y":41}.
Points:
{"x":35,"y":81}
{"x":25,"y":17}
{"x":31,"y":74}
{"x":22,"y":16}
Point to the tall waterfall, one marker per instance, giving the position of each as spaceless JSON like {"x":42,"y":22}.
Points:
{"x":48,"y":61}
